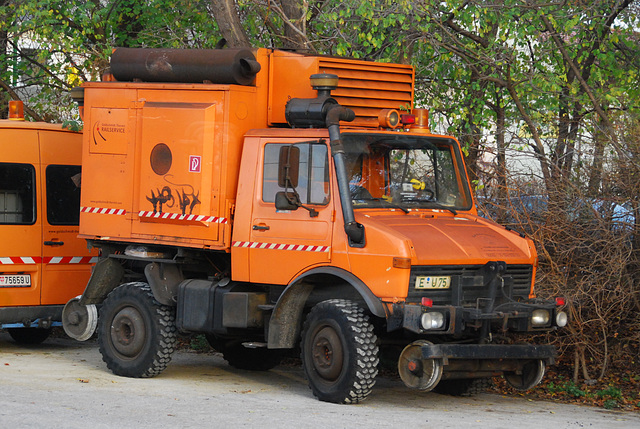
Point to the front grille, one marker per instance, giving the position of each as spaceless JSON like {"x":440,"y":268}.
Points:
{"x":470,"y":284}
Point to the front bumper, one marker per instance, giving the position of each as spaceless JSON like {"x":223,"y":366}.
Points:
{"x":462,"y":320}
{"x":445,"y":352}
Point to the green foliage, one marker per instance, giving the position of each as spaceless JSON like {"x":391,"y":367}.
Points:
{"x":611,"y":392}
{"x":199,"y":343}
{"x":568,"y":388}
{"x":72,"y":125}
{"x":610,"y":404}
{"x":55,"y":45}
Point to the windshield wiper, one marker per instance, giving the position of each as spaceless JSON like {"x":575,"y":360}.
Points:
{"x":382,"y":200}
{"x":442,"y":207}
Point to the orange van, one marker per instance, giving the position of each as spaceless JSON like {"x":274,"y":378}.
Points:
{"x":42,"y":262}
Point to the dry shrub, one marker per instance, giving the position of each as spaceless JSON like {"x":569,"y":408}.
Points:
{"x":588,"y":253}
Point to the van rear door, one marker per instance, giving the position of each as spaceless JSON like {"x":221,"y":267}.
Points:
{"x":21,"y":232}
{"x":66,"y":260}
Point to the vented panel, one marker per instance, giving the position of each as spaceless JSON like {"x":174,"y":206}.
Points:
{"x":366,"y":87}
{"x":369,"y":88}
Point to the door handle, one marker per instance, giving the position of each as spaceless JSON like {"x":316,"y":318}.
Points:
{"x":260,"y":228}
{"x":54,"y":243}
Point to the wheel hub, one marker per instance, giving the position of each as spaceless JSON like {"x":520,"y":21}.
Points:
{"x":127,"y":332}
{"x":327,"y":353}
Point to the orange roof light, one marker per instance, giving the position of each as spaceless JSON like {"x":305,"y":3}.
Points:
{"x":16,"y":110}
{"x":389,"y":118}
{"x":422,"y":120}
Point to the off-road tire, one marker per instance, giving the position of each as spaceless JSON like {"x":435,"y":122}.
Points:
{"x":339,"y":352}
{"x":136,"y":334}
{"x":29,"y":336}
{"x":464,"y":386}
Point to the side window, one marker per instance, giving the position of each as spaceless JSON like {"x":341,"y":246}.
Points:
{"x":63,"y":194}
{"x":313,"y":179}
{"x":17,"y":194}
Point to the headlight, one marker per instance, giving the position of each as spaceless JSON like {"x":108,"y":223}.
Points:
{"x":540,"y":318}
{"x":433,"y":320}
{"x":562,"y":319}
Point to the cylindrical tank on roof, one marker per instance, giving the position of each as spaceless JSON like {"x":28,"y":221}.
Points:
{"x":221,"y":66}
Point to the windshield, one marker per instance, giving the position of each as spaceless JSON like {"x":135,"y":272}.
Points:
{"x":405,"y":171}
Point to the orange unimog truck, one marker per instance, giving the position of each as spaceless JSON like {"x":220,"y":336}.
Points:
{"x":43,"y":263}
{"x":229,"y":197}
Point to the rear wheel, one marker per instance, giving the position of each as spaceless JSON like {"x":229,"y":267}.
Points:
{"x":339,"y":352}
{"x":29,"y":335}
{"x":136,"y":334}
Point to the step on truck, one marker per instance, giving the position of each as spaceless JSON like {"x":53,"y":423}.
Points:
{"x":43,"y":263}
{"x":274,"y":201}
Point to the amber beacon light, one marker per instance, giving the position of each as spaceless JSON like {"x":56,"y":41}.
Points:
{"x":16,"y":110}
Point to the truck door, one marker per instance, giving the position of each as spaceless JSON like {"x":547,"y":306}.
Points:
{"x":285,"y":242}
{"x":21,"y":238}
{"x":66,"y":259}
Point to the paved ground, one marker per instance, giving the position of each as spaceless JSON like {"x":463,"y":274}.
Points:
{"x":62,"y":383}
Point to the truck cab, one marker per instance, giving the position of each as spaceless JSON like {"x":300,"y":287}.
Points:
{"x":43,"y":264}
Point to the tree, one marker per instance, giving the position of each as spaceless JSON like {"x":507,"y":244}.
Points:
{"x":52,"y":46}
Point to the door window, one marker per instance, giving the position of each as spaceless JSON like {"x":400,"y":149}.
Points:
{"x":63,"y":194}
{"x":313,"y":178}
{"x":17,"y":194}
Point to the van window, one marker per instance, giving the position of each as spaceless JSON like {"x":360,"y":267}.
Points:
{"x":17,"y":194}
{"x":313,"y":180}
{"x":63,"y":194}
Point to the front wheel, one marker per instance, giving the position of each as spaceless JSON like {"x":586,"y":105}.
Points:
{"x":339,"y":352}
{"x":136,"y":334}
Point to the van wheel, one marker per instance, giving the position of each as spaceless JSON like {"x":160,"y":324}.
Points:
{"x":136,"y":334}
{"x":28,"y":336}
{"x":339,"y":352}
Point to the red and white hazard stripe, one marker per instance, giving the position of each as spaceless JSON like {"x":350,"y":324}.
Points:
{"x":103,"y":210}
{"x":11,"y":260}
{"x":279,"y":246}
{"x":176,"y":216}
{"x":59,"y":260}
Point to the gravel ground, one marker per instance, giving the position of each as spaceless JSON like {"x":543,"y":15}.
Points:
{"x":63,"y":383}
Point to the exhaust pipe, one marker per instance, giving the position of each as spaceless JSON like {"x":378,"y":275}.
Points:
{"x":324,"y":111}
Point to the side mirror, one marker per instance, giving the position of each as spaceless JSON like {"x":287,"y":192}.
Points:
{"x":289,"y":167}
{"x":287,"y":201}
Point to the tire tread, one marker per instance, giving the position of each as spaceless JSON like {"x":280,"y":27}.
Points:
{"x":164,"y":325}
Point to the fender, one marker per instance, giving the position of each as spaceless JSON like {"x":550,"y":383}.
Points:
{"x":105,"y":277}
{"x":286,"y":319}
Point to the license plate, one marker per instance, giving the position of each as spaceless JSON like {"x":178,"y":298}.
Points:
{"x":433,"y":282}
{"x":15,"y":280}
